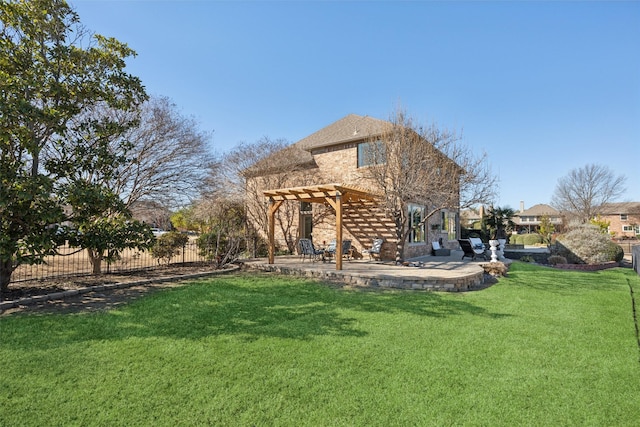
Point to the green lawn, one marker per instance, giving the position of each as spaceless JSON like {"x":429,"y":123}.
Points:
{"x":541,"y":347}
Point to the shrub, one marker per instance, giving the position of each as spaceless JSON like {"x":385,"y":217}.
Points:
{"x":220,"y":246}
{"x":556,"y":259}
{"x":527,"y":258}
{"x":614,"y":252}
{"x":517,"y":239}
{"x":168,"y":245}
{"x":531,"y":239}
{"x":585,"y":244}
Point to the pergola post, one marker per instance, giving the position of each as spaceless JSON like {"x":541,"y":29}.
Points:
{"x":338,"y":208}
{"x":271,"y":216}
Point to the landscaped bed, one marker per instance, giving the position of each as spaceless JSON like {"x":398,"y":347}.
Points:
{"x":541,"y":347}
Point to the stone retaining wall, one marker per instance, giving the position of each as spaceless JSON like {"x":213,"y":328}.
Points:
{"x":538,"y":257}
{"x":587,"y":267}
{"x":457,"y":284}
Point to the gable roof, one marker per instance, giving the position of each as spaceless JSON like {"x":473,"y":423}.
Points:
{"x":349,"y":128}
{"x":620,"y":208}
{"x":298,"y":156}
{"x":539,"y":210}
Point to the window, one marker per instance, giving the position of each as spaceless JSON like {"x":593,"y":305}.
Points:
{"x":371,"y":153}
{"x":416,"y":224}
{"x":449,"y":224}
{"x":623,"y":217}
{"x":306,"y":220}
{"x":628,"y":228}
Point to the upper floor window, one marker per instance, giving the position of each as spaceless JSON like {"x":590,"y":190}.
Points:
{"x":371,"y":153}
{"x":623,"y":217}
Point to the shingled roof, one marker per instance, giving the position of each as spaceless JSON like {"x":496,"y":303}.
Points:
{"x":620,"y":208}
{"x":539,"y":210}
{"x":349,"y":128}
{"x":298,"y":156}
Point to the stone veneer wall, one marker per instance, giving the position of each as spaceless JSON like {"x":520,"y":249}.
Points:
{"x":458,"y":284}
{"x":538,"y":257}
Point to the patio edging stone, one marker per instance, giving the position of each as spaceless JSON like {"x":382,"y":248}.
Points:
{"x":458,"y":283}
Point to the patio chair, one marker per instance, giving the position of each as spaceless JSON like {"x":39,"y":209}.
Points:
{"x":306,"y":248}
{"x":346,"y":249}
{"x":375,"y":249}
{"x":478,"y":246}
{"x":471,"y":251}
{"x":437,"y":250}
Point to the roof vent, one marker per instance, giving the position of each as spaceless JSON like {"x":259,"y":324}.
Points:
{"x":355,"y":131}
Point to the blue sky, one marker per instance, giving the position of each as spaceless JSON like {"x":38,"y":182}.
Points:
{"x":541,"y":87}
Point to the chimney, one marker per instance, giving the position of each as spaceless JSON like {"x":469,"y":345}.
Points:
{"x":521,"y":206}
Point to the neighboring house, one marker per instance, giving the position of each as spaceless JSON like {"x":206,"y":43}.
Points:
{"x":623,"y":218}
{"x":472,"y":218}
{"x":528,"y":220}
{"x":325,"y":163}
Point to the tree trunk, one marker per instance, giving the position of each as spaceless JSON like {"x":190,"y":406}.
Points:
{"x":400,"y":236}
{"x":6,"y":269}
{"x":96,"y":261}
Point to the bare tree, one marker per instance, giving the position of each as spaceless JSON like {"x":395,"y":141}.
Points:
{"x":428,"y":166}
{"x":223,"y":223}
{"x":168,"y":160}
{"x":583,"y":191}
{"x":248,"y":169}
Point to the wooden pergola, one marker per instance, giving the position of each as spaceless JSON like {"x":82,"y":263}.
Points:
{"x":334,"y":195}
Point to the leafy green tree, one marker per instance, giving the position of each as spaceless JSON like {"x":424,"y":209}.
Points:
{"x":102,"y":224}
{"x":546,"y":229}
{"x":184,"y":220}
{"x":52,"y":72}
{"x":169,"y":245}
{"x":602,"y":224}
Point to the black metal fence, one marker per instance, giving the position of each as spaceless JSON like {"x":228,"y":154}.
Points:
{"x":627,"y":245}
{"x":75,"y":262}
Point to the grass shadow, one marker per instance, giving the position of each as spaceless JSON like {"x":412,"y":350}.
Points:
{"x":250,"y":306}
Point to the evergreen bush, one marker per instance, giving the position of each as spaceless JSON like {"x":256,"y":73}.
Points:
{"x":614,"y":252}
{"x":557,"y":259}
{"x":531,"y":239}
{"x":585,"y":244}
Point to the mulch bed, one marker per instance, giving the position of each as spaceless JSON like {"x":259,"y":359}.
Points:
{"x":100,"y":298}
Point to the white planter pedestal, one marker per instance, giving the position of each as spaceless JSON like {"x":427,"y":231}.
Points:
{"x":494,"y":250}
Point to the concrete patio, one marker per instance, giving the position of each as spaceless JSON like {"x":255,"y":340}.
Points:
{"x":437,"y":273}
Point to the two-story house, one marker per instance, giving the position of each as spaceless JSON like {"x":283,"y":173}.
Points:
{"x":321,"y":181}
{"x":623,"y":218}
{"x":528,"y":220}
